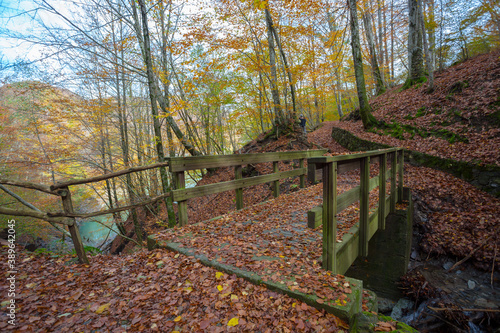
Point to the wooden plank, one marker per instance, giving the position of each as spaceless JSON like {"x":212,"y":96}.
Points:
{"x":302,"y":177}
{"x":401,"y":172}
{"x":312,"y":173}
{"x":180,"y":184}
{"x":214,"y":161}
{"x":393,"y":181}
{"x":338,"y":158}
{"x":276,"y":187}
{"x":32,"y":186}
{"x":348,"y":250}
{"x":329,"y":217}
{"x":199,"y":191}
{"x":106,"y":176}
{"x":373,"y":224}
{"x":238,"y":174}
{"x":315,"y":217}
{"x":73,"y":229}
{"x":382,"y":189}
{"x":364,"y":206}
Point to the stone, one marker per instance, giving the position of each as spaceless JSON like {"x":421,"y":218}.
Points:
{"x":385,"y":305}
{"x":401,"y":308}
{"x":471,"y":284}
{"x":447,"y":265}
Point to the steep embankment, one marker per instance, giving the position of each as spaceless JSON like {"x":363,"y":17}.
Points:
{"x":459,"y":120}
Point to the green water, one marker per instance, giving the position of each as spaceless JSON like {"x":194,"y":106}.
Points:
{"x":94,"y":233}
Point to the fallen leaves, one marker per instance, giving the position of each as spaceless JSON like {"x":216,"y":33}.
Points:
{"x":158,"y":302}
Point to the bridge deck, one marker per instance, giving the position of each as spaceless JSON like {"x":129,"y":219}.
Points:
{"x":270,"y":244}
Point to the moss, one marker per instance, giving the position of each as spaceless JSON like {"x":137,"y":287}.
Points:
{"x":414,"y":83}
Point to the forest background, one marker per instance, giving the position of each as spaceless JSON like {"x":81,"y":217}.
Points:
{"x":102,"y":85}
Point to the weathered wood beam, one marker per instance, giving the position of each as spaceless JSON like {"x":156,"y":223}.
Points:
{"x":35,"y":214}
{"x":199,"y":191}
{"x":215,"y":161}
{"x":32,"y":186}
{"x":106,"y":176}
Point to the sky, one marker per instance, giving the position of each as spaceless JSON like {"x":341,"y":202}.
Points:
{"x":20,"y":20}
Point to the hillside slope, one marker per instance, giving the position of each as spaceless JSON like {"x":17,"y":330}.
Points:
{"x":459,"y":120}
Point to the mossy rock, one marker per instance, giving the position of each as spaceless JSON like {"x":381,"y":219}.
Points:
{"x":368,"y":322}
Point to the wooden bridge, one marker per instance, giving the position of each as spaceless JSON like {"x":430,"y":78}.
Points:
{"x":335,"y":258}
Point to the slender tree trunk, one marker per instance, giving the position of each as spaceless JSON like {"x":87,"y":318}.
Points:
{"x":278,"y":112}
{"x":415,"y":49}
{"x":364,"y":106}
{"x":379,"y":82}
{"x":428,"y":60}
{"x":285,"y":62}
{"x":164,"y":60}
{"x":145,"y":44}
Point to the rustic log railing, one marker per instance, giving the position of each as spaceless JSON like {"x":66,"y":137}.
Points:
{"x":178,"y":165}
{"x":339,"y":257}
{"x":68,"y":216}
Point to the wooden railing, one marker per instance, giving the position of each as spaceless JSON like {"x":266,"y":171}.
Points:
{"x":178,"y":165}
{"x":339,"y":257}
{"x":67,"y":217}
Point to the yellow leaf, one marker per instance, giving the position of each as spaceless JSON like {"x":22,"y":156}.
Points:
{"x":218,"y":275}
{"x":293,"y":305}
{"x":219,"y":287}
{"x":177,"y":255}
{"x":103,"y":308}
{"x":178,"y":318}
{"x":188,"y":289}
{"x":233,"y":322}
{"x":234,"y":297}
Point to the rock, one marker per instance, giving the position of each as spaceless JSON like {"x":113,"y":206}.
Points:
{"x":401,"y":308}
{"x":385,"y":305}
{"x":447,"y":265}
{"x":471,"y":284}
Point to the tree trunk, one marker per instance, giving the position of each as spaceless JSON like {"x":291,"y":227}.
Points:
{"x":415,"y":50}
{"x":379,"y":82}
{"x":364,"y":106}
{"x":428,"y":60}
{"x":278,"y":112}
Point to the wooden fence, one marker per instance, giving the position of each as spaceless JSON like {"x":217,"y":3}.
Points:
{"x":338,"y":257}
{"x":177,"y":166}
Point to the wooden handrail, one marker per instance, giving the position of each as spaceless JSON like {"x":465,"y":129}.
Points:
{"x":178,"y":164}
{"x":338,"y":257}
{"x":106,"y":176}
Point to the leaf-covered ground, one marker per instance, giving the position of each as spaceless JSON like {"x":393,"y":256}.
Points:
{"x":459,"y":120}
{"x":155,"y":291}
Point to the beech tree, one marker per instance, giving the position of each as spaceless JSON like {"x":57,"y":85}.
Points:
{"x":364,"y":106}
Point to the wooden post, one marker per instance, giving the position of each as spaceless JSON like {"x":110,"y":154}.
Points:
{"x":180,"y":183}
{"x":394,"y":168}
{"x":302,"y":177}
{"x":400,"y":171}
{"x":239,"y":191}
{"x":276,"y":191}
{"x":382,"y":190}
{"x":329,"y":216}
{"x":364,"y":206}
{"x":73,"y":228}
